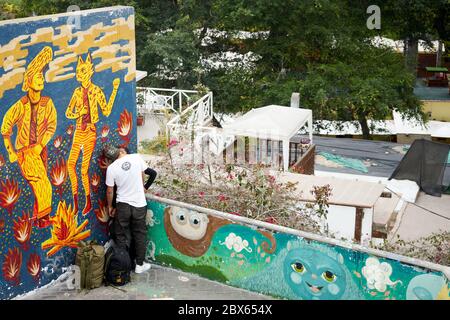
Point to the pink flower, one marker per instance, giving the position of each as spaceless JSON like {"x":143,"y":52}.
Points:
{"x":272,"y":220}
{"x":172,"y":142}
{"x":230,"y":176}
{"x":201,"y":194}
{"x":221,"y":197}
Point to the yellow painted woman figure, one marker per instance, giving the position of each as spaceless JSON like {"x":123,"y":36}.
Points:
{"x":35,"y":117}
{"x":84,"y":108}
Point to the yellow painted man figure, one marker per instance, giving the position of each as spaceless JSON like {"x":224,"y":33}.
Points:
{"x":84,"y":107}
{"x":35,"y":117}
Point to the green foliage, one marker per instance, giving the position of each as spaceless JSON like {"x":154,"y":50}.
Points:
{"x":156,"y":146}
{"x":434,"y":248}
{"x":365,"y":83}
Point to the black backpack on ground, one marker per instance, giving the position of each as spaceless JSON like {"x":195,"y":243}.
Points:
{"x":117,"y":266}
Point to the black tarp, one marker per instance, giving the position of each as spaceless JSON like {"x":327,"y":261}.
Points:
{"x":425,"y":163}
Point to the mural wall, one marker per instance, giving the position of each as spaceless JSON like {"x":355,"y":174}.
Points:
{"x":67,"y":87}
{"x":279,"y":264}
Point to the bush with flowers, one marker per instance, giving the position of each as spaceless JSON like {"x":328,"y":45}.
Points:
{"x":249,"y":191}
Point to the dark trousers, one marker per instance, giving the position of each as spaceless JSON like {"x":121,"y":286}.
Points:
{"x":130,"y":225}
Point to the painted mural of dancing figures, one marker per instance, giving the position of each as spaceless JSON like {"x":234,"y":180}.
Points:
{"x":35,"y":117}
{"x":83,"y":107}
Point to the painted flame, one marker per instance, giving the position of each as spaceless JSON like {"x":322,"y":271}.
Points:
{"x":34,"y":265}
{"x":9,"y":194}
{"x":105,"y":131}
{"x":102,"y":212}
{"x":22,"y":229}
{"x":12,"y":264}
{"x":65,"y":231}
{"x":103,"y":162}
{"x":125,"y":123}
{"x":57,"y":142}
{"x":69,"y":130}
{"x":95,"y":180}
{"x":59,"y":172}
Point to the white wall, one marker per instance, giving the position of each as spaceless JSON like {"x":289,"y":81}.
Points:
{"x":341,"y":221}
{"x":149,"y":130}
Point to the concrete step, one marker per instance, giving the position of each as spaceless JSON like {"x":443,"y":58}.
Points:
{"x":386,"y":210}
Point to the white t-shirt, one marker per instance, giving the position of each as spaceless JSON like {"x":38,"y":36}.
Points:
{"x":126,"y":173}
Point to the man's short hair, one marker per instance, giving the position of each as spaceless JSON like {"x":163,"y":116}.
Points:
{"x":124,"y":148}
{"x":110,"y":152}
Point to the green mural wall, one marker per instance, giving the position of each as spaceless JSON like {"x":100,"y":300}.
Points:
{"x":280,"y":264}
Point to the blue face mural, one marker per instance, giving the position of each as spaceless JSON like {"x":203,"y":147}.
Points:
{"x":427,"y":287}
{"x":313,"y":275}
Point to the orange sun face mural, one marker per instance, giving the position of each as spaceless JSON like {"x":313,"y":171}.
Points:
{"x":63,"y":90}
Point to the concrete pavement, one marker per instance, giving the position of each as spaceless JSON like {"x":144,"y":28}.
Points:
{"x":156,"y":284}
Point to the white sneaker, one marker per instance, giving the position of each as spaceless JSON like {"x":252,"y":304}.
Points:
{"x":142,"y":268}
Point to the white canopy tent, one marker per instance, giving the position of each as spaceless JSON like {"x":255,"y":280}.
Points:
{"x":272,"y":123}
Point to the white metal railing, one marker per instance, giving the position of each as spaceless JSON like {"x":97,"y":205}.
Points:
{"x":195,"y":116}
{"x":217,"y":140}
{"x":155,"y":100}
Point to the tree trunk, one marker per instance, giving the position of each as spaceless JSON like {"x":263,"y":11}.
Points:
{"x":411,"y":52}
{"x":439,"y":54}
{"x":364,"y":127}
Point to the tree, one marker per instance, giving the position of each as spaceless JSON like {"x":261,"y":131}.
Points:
{"x":8,"y":10}
{"x":411,"y":21}
{"x":320,"y":47}
{"x":367,"y":83}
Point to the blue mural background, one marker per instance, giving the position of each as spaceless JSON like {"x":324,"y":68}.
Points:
{"x":61,"y":93}
{"x":236,"y":256}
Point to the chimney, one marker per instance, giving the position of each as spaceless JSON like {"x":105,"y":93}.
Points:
{"x":295,"y":100}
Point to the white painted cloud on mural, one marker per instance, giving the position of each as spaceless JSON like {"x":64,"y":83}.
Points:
{"x":378,"y":274}
{"x":236,"y":243}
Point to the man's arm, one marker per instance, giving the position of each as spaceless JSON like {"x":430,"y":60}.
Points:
{"x":110,"y":191}
{"x":152,"y":176}
{"x":109,"y":199}
{"x":146,"y":170}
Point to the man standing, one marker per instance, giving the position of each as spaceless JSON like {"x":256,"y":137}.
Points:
{"x":127,"y":173}
{"x":35,"y":117}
